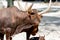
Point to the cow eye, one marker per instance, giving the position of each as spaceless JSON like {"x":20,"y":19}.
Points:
{"x":32,"y":13}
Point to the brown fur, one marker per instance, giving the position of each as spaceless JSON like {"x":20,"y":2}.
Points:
{"x":13,"y":21}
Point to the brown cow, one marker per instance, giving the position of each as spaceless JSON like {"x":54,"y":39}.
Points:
{"x":13,"y":21}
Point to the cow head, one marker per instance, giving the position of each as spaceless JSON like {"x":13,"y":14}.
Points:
{"x":35,"y":17}
{"x":35,"y":20}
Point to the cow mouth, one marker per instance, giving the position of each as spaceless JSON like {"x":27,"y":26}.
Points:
{"x":34,"y":31}
{"x":34,"y":34}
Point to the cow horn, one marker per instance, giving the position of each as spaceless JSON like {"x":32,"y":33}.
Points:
{"x":29,"y":9}
{"x":45,"y":11}
{"x":19,"y":5}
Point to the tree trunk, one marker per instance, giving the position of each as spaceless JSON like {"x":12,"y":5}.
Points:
{"x":10,"y":3}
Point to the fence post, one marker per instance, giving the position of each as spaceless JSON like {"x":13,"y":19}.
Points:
{"x":10,"y":3}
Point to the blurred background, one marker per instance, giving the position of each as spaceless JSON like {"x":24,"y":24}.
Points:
{"x":50,"y":23}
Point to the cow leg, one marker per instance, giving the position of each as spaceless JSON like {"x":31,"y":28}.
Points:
{"x":8,"y":37}
{"x":1,"y":36}
{"x":8,"y":34}
{"x":28,"y":35}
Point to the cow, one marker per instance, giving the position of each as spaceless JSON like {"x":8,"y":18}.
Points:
{"x":14,"y":21}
